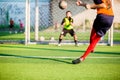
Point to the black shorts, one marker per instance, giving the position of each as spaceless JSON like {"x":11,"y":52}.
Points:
{"x":71,"y":32}
{"x":102,"y":24}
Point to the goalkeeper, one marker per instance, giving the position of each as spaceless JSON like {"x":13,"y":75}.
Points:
{"x":67,"y":24}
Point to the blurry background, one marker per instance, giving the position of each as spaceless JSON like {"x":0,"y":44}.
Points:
{"x":50,"y":17}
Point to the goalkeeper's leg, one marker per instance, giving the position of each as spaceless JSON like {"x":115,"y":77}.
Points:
{"x":60,"y":39}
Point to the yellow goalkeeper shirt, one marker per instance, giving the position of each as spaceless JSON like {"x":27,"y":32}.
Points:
{"x":67,"y":23}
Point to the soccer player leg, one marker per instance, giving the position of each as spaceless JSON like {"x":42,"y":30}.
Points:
{"x":92,"y":37}
{"x":75,"y":40}
{"x":91,"y":47}
{"x":94,"y":41}
{"x":60,"y":39}
{"x":63,"y":33}
{"x":72,"y":33}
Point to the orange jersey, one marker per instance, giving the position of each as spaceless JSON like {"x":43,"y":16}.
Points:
{"x":108,"y":10}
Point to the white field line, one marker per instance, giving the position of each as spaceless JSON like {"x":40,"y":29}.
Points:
{"x":56,"y":57}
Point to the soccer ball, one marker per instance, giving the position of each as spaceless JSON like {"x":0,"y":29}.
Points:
{"x":62,"y":4}
{"x":42,"y":38}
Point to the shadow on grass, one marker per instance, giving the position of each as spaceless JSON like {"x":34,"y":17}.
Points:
{"x":50,"y":49}
{"x":54,"y":49}
{"x":33,"y":57}
{"x":101,"y":52}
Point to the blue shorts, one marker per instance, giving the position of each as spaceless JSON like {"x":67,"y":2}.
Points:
{"x":102,"y":24}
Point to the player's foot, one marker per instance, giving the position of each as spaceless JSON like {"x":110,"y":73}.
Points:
{"x":59,"y":44}
{"x":76,"y":45}
{"x":78,"y":60}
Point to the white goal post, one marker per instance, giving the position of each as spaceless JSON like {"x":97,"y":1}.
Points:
{"x":27,"y":22}
{"x":36,"y":37}
{"x":110,"y":33}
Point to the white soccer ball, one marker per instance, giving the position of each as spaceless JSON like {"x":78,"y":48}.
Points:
{"x":42,"y":38}
{"x":62,"y":4}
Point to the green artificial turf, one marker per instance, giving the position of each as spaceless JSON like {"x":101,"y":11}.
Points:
{"x":19,"y":62}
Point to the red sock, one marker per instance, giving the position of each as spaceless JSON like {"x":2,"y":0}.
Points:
{"x":94,"y":38}
{"x":92,"y":35}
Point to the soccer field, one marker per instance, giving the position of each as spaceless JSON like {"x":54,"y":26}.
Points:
{"x":50,"y":62}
